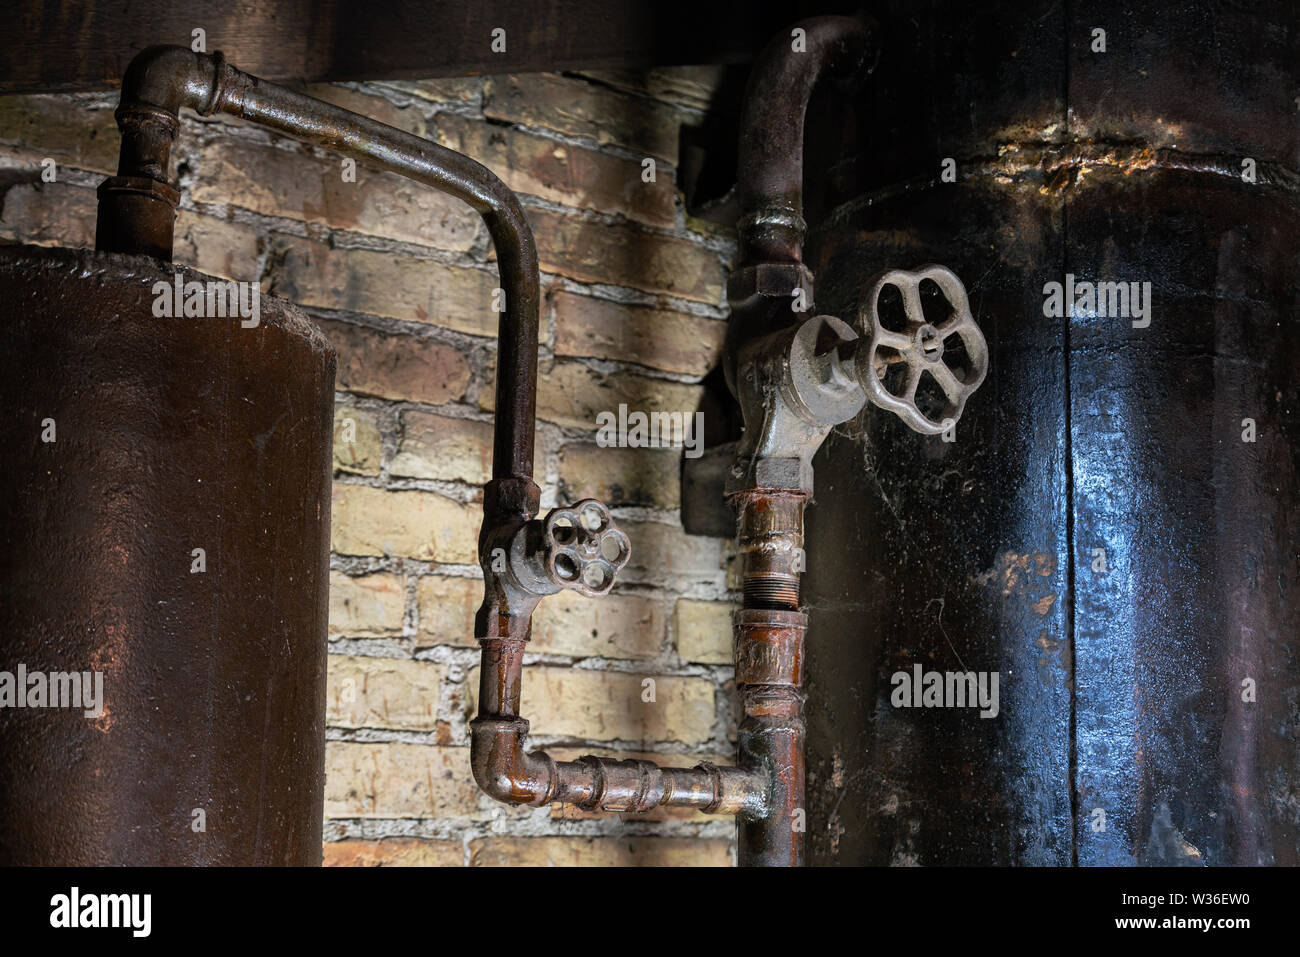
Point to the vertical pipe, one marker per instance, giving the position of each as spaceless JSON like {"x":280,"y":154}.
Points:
{"x":769,"y":628}
{"x":770,"y":162}
{"x":769,"y":632}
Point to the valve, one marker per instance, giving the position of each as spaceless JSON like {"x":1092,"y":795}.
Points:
{"x":920,"y":347}
{"x":577,"y":547}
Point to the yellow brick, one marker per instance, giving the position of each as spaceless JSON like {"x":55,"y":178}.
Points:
{"x":621,"y":476}
{"x":217,"y":247}
{"x":607,"y":706}
{"x":599,"y":252}
{"x":441,"y":447}
{"x":646,"y":335}
{"x":58,"y":127}
{"x":568,"y":393}
{"x":703,"y":631}
{"x":49,"y":214}
{"x":358,"y":443}
{"x":395,"y":693}
{"x":659,"y":549}
{"x":452,"y":90}
{"x":394,"y":852}
{"x":412,"y":524}
{"x":296,"y":185}
{"x":401,"y":781}
{"x":383,"y":284}
{"x":373,"y":362}
{"x":447,"y":607}
{"x":584,"y":109}
{"x":564,"y":173}
{"x":369,"y":606}
{"x":615,"y":626}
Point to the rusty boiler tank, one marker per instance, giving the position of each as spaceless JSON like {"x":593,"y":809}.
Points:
{"x":164,"y":539}
{"x":164,"y":514}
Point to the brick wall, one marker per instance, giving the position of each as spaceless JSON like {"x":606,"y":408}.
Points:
{"x":400,"y":278}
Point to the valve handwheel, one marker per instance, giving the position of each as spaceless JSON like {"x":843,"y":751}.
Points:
{"x":920,"y":346}
{"x":583,"y":549}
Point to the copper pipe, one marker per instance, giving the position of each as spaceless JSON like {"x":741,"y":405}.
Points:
{"x":769,"y":539}
{"x":770,"y":632}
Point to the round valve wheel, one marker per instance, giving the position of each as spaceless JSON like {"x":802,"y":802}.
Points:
{"x":583,"y":548}
{"x":920,"y":347}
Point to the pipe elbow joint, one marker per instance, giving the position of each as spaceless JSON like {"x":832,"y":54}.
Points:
{"x":503,"y":770}
{"x":770,"y":161}
{"x":170,"y":77}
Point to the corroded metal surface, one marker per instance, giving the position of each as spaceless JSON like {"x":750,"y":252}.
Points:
{"x":169,"y":435}
{"x":771,"y":363}
{"x":1121,"y":690}
{"x":541,"y":557}
{"x":770,"y":632}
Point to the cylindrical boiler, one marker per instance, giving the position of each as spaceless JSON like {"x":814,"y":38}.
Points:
{"x":164,"y":538}
{"x":1111,"y":531}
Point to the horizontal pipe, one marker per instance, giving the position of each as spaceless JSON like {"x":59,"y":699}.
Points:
{"x":509,"y":773}
{"x":505,"y":770}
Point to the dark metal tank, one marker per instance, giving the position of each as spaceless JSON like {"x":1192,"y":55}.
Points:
{"x":1127,"y":732}
{"x":170,"y":435}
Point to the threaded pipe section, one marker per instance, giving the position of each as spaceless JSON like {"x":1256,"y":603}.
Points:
{"x":770,"y":541}
{"x":772,"y":593}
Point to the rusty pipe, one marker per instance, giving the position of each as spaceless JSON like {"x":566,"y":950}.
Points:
{"x":769,"y":631}
{"x":137,"y":207}
{"x":770,"y":163}
{"x":522,"y":563}
{"x":771,"y":227}
{"x":137,"y":211}
{"x":137,"y":214}
{"x":789,"y":397}
{"x":765,"y":791}
{"x":508,"y":772}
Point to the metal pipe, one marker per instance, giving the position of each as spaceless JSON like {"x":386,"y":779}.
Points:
{"x":506,"y":771}
{"x":137,"y":207}
{"x":795,"y":378}
{"x":519,"y":553}
{"x":520,"y":567}
{"x":769,"y":672}
{"x":789,"y":398}
{"x":137,"y":212}
{"x":770,"y":166}
{"x":771,"y":227}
